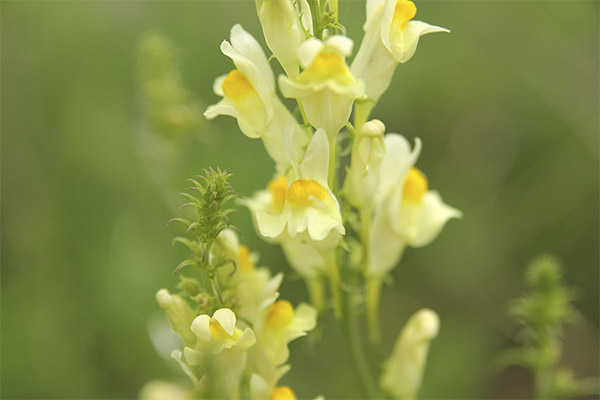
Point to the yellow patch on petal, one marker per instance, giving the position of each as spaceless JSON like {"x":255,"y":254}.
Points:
{"x":280,"y":315}
{"x":236,"y":86}
{"x":217,"y":332}
{"x":327,"y":66}
{"x":249,"y":105}
{"x":246,"y":264}
{"x":283,"y":393}
{"x":405,"y":11}
{"x":278,"y":189}
{"x":301,"y":193}
{"x":415,"y":186}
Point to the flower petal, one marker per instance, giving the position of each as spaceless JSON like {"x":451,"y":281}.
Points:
{"x":226,"y":318}
{"x":201,"y":327}
{"x":434,"y":215}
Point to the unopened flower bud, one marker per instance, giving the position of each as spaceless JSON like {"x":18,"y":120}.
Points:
{"x":179,"y":313}
{"x":403,"y":371}
{"x":362,"y":180}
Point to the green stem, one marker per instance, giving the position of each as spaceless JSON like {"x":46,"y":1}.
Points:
{"x":334,"y":284}
{"x":373,"y":285}
{"x":332,"y":159}
{"x":350,"y":324}
{"x":315,"y":12}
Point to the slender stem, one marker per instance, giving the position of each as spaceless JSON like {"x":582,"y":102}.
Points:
{"x":365,"y":226}
{"x":350,"y":324}
{"x":373,"y":287}
{"x":334,"y":284}
{"x":315,"y":12}
{"x":332,"y":159}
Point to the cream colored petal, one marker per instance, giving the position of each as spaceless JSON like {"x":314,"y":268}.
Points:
{"x":315,"y":164}
{"x":389,"y":9}
{"x":397,"y":162}
{"x":374,"y":63}
{"x":254,"y":75}
{"x":282,"y":31}
{"x":308,"y":50}
{"x":218,"y":85}
{"x":386,"y":246}
{"x":434,"y":215}
{"x":245,"y":44}
{"x":305,"y":317}
{"x":201,"y":327}
{"x":272,"y":225}
{"x":226,"y":318}
{"x":192,"y":357}
{"x":322,"y":221}
{"x":178,"y":356}
{"x":406,"y":46}
{"x":247,"y":340}
{"x":372,"y":7}
{"x":297,"y":221}
{"x":341,"y":45}
{"x":223,"y":107}
{"x":259,"y":388}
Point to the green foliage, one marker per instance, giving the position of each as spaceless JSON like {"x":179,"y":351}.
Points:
{"x":170,"y":108}
{"x":542,"y":312}
{"x":208,"y":253}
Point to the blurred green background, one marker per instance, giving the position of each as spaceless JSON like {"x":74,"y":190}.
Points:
{"x":507,"y":107}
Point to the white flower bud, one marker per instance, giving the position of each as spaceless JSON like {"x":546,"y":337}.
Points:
{"x":362,"y":181}
{"x":403,"y":371}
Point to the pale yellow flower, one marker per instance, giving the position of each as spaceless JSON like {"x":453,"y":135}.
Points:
{"x":309,"y":204}
{"x":326,"y":88}
{"x":391,"y":37}
{"x":281,"y":325}
{"x":407,"y":213}
{"x":249,"y":96}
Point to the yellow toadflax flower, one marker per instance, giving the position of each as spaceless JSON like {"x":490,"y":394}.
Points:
{"x":281,"y":325}
{"x":218,"y":359}
{"x":406,"y":214}
{"x":309,"y":203}
{"x":391,"y":37}
{"x":249,"y":96}
{"x":325,"y":88}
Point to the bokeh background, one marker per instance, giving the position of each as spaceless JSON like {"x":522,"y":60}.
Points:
{"x":507,"y":107}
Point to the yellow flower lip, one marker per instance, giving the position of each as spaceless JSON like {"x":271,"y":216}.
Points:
{"x":236,"y":86}
{"x":217,"y":332}
{"x":246,"y":264}
{"x":280,"y":315}
{"x":283,"y":393}
{"x":278,"y":189}
{"x":327,"y":66}
{"x":302,"y":192}
{"x":415,"y":186}
{"x":404,"y":12}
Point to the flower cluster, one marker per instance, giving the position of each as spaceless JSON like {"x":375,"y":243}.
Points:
{"x":300,"y":208}
{"x":233,"y":328}
{"x":348,"y":227}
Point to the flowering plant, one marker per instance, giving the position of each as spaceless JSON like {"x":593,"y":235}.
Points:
{"x":341,"y":229}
